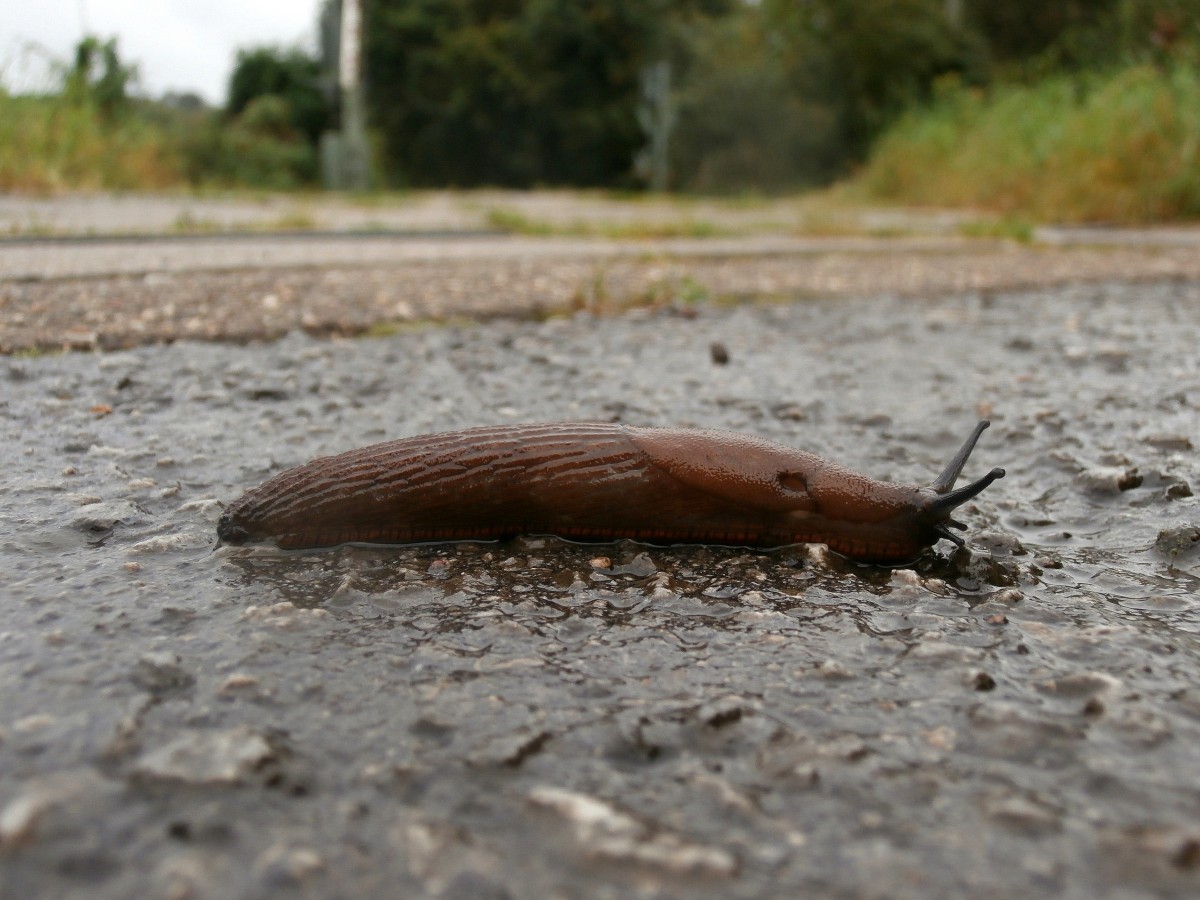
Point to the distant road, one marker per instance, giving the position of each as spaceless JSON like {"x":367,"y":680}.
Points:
{"x":39,"y":259}
{"x":111,"y":235}
{"x":74,"y":272}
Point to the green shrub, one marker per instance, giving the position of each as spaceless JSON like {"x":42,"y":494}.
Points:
{"x":1119,"y":147}
{"x":259,"y":148}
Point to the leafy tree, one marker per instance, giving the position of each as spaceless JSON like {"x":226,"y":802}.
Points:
{"x":1035,"y":39}
{"x":869,"y":59}
{"x":289,"y":74}
{"x":743,"y":125}
{"x":514,"y":92}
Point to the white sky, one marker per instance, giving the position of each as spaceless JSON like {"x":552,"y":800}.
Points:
{"x":178,"y":45}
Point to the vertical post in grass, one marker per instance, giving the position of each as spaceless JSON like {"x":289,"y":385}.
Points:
{"x":344,"y":155}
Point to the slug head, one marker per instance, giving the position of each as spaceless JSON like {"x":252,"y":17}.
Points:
{"x":891,"y":523}
{"x":936,"y":510}
{"x":230,"y":530}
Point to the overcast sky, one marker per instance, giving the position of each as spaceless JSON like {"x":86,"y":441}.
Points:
{"x":178,"y":45}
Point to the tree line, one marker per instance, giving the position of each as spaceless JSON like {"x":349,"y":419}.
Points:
{"x":767,"y":95}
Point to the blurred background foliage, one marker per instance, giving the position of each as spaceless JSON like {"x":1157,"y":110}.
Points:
{"x":1079,"y":109}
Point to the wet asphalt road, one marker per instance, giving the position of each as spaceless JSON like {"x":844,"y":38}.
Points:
{"x":546,"y":719}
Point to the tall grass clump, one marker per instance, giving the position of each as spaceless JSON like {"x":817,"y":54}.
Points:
{"x":93,"y":134}
{"x":1121,"y":146}
{"x":52,"y":143}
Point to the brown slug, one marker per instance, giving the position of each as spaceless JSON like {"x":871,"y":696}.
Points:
{"x":598,"y":482}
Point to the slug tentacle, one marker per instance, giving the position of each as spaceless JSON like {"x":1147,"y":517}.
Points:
{"x":944,"y":482}
{"x":954,"y":499}
{"x":948,"y":500}
{"x":599,"y":482}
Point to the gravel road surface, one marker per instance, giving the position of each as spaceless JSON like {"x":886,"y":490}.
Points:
{"x":538,"y":718}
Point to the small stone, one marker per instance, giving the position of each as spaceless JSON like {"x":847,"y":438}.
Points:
{"x":99,"y":519}
{"x":207,"y":758}
{"x":1022,"y":812}
{"x":284,"y":616}
{"x":999,"y":543}
{"x":832,"y":670}
{"x":641,"y":566}
{"x":238,"y":683}
{"x":603,"y":832}
{"x":289,"y":865}
{"x":1009,"y":596}
{"x":723,"y":711}
{"x":36,"y":722}
{"x":1109,"y":479}
{"x":1187,"y":855}
{"x":1174,"y":443}
{"x":40,"y":800}
{"x":168,"y":543}
{"x":982,"y":681}
{"x":161,"y":673}
{"x":510,"y":750}
{"x":943,"y":737}
{"x":1179,"y":543}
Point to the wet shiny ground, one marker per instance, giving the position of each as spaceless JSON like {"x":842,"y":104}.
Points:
{"x":539,"y":718}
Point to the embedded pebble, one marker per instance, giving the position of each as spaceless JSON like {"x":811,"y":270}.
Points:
{"x":603,"y":832}
{"x":1181,"y":543}
{"x":1109,"y":479}
{"x":160,"y":672}
{"x":104,"y":516}
{"x":207,"y":757}
{"x":26,"y":816}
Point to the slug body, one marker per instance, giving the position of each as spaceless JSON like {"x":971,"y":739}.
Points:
{"x":597,"y":482}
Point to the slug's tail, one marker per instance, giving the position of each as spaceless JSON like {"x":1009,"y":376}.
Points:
{"x":939,"y":508}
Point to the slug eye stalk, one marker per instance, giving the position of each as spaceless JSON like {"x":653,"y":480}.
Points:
{"x":938,"y":509}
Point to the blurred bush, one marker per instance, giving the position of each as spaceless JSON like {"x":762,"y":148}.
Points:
{"x":260,"y":147}
{"x":1123,"y":146}
{"x":741,"y":125}
{"x":95,"y":134}
{"x":92,"y":134}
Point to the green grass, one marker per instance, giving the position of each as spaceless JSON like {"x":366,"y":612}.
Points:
{"x":1119,"y":147}
{"x":54,"y":143}
{"x":515,"y":222}
{"x":49,"y":144}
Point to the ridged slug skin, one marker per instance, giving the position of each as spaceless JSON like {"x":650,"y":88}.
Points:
{"x":591,"y":482}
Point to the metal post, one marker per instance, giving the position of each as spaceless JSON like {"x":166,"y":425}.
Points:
{"x":354,"y":168}
{"x":656,"y":114}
